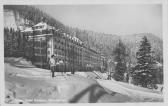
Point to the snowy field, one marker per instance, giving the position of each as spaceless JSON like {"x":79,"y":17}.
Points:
{"x":25,"y":83}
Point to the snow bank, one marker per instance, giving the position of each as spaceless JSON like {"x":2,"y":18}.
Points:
{"x":160,"y":87}
{"x":134,"y":93}
{"x":83,"y":74}
{"x":35,"y":83}
{"x":22,"y":61}
{"x":18,"y":61}
{"x":90,"y":75}
{"x":101,"y":75}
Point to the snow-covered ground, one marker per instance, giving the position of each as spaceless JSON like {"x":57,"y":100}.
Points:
{"x":28,"y":84}
{"x":139,"y":94}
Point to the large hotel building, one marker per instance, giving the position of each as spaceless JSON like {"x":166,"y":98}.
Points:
{"x":44,"y":41}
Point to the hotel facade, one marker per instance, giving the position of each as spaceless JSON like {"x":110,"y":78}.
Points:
{"x":44,"y":40}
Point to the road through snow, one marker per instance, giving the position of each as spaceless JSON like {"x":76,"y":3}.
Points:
{"x":131,"y":91}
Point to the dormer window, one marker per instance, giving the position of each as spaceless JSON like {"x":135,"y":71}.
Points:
{"x":40,"y":27}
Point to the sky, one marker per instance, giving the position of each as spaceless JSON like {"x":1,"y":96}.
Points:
{"x":120,"y":19}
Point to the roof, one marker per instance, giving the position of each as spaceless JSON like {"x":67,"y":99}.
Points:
{"x":76,"y":39}
{"x":27,"y":30}
{"x":46,"y":26}
{"x":40,"y":24}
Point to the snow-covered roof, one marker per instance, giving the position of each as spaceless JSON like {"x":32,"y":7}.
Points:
{"x":41,"y":24}
{"x":159,"y":64}
{"x":27,"y":30}
{"x":76,"y":39}
{"x":50,"y":27}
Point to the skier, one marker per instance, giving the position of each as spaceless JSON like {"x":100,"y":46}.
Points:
{"x":52,"y":65}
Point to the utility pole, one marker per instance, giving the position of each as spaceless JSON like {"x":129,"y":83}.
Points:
{"x":52,"y":40}
{"x":41,"y":53}
{"x":109,"y":68}
{"x":33,"y":46}
{"x":11,"y":31}
{"x":65,"y":53}
{"x":73,"y":53}
{"x":46,"y":62}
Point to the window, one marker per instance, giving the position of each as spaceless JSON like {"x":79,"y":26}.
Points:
{"x":48,"y":45}
{"x":43,"y":51}
{"x":48,"y":52}
{"x":44,"y":32}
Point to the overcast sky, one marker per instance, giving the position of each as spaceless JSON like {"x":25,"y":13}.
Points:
{"x":121,"y":19}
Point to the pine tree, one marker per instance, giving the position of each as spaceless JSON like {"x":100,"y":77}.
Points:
{"x":144,"y":71}
{"x":120,"y":58}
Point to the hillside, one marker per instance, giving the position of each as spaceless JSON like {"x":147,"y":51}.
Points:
{"x":105,"y":43}
{"x":33,"y":15}
{"x":133,"y":41}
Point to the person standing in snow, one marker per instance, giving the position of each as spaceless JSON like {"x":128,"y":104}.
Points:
{"x":52,"y":65}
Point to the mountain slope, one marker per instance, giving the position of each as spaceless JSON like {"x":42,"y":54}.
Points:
{"x":104,"y":43}
{"x":133,"y":43}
